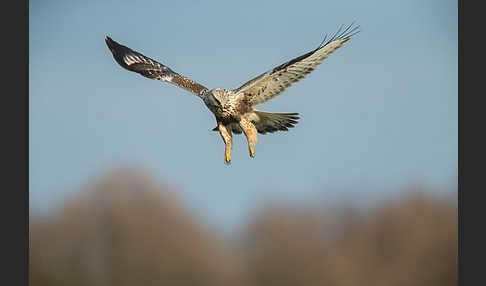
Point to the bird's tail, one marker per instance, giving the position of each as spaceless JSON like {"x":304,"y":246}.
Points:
{"x":267,"y":122}
{"x":271,"y":122}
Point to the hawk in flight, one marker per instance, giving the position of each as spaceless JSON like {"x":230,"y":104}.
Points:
{"x":233,"y":109}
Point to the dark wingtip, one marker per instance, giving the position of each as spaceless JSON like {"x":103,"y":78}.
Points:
{"x":109,"y":42}
{"x":341,"y":34}
{"x":117,"y":50}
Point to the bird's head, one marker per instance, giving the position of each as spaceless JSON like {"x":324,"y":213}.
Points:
{"x":217,"y":98}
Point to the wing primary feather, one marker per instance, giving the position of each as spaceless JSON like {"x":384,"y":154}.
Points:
{"x":136,"y":62}
{"x":350,"y":33}
{"x":273,"y":82}
{"x":324,"y":40}
{"x":345,"y":30}
{"x":353,"y":32}
{"x":339,"y":35}
{"x":338,"y":31}
{"x":344,"y":34}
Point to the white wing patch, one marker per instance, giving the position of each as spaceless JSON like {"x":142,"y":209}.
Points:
{"x":136,"y":62}
{"x":129,"y":59}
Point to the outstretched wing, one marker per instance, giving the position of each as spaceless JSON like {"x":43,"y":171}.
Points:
{"x":134,"y":61}
{"x":273,"y":82}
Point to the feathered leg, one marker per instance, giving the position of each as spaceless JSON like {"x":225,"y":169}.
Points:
{"x":251,"y":134}
{"x":226,"y":135}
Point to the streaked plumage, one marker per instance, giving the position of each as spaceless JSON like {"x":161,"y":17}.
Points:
{"x":233,"y":109}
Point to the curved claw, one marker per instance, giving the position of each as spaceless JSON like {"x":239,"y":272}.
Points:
{"x":252,"y":151}
{"x":227,"y":159}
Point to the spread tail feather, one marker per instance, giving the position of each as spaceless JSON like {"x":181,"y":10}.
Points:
{"x":271,"y":122}
{"x":267,"y":122}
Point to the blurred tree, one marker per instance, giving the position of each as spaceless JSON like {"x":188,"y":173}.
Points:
{"x":124,"y":230}
{"x":411,"y":241}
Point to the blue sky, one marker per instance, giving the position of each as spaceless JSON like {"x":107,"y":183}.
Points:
{"x":378,"y":115}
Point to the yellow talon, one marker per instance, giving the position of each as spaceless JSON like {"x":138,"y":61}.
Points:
{"x":227,"y":158}
{"x":252,"y":151}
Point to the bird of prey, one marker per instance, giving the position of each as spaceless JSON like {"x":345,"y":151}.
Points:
{"x":233,"y":109}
